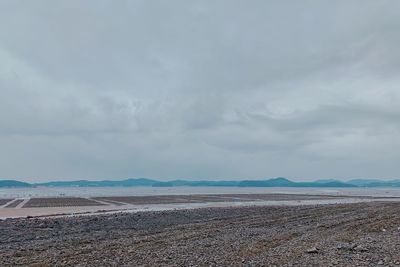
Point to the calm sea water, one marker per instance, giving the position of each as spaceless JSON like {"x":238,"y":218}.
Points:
{"x":148,"y":191}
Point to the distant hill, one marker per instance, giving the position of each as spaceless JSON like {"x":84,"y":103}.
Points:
{"x":274,"y":182}
{"x":195,"y":183}
{"x":328,"y":184}
{"x":13,"y":183}
{"x":375,"y":183}
{"x":363,"y":182}
{"x":283,"y":182}
{"x":85,"y":183}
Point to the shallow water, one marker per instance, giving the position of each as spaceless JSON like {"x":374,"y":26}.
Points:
{"x":148,"y":191}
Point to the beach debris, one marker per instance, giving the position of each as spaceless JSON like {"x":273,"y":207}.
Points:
{"x":360,"y":248}
{"x":313,"y":250}
{"x":346,"y":246}
{"x":352,"y":247}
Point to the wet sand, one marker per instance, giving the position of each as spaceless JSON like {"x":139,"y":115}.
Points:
{"x":362,"y":234}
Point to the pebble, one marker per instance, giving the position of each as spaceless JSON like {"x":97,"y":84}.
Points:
{"x":313,"y":250}
{"x":360,"y":249}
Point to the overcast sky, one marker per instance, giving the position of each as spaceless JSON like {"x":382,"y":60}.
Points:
{"x":210,"y":89}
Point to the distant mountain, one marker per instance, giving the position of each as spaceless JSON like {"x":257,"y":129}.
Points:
{"x":274,"y":182}
{"x":195,"y":183}
{"x":363,"y":182}
{"x":331,"y":183}
{"x":163,"y":184}
{"x":375,"y":183}
{"x":283,"y":182}
{"x":85,"y":183}
{"x":213,"y":183}
{"x":13,"y":183}
{"x":324,"y":181}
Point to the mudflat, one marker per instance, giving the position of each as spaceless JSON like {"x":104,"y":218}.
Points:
{"x":362,"y":234}
{"x":64,"y":206}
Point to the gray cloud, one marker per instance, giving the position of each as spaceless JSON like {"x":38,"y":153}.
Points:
{"x":202,"y":90}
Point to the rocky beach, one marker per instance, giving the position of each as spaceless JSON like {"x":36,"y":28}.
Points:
{"x":358,"y":234}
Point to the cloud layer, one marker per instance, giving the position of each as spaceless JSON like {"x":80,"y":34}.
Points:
{"x":203,"y":90}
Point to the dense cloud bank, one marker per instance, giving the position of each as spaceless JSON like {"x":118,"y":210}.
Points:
{"x":202,"y":90}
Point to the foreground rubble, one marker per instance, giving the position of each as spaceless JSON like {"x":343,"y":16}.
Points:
{"x":365,"y":234}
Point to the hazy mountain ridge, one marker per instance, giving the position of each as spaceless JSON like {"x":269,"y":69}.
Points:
{"x":375,"y":183}
{"x":274,"y":182}
{"x":13,"y":183}
{"x":85,"y":183}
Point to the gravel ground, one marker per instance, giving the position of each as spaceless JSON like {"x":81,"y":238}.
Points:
{"x":366,"y":234}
